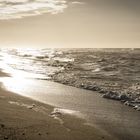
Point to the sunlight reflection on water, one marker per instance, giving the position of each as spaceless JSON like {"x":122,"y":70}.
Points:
{"x":15,"y":84}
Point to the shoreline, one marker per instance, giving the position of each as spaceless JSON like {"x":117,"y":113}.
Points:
{"x":23,"y":118}
{"x":82,"y":74}
{"x":127,"y":100}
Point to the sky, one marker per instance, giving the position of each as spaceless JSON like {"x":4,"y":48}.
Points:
{"x":70,"y":23}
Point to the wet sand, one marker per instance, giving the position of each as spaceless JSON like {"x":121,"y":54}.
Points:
{"x":22,"y":118}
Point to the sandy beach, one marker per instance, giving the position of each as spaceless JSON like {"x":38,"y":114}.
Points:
{"x":25,"y":119}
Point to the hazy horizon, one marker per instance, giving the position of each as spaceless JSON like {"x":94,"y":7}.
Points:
{"x":70,"y":23}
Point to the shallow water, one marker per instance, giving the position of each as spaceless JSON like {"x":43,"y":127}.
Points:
{"x":33,"y":63}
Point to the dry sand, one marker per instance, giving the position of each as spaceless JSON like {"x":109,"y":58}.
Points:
{"x":22,"y":118}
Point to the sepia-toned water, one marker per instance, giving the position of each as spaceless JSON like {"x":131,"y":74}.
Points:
{"x":118,"y":63}
{"x":37,"y":63}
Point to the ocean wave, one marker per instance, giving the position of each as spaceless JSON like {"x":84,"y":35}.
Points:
{"x":43,"y":62}
{"x":10,"y":9}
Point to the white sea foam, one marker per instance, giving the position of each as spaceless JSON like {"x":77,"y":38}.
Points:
{"x":10,"y":9}
{"x":32,"y":63}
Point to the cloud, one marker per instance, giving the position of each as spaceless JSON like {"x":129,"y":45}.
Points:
{"x":10,"y":9}
{"x":77,"y":2}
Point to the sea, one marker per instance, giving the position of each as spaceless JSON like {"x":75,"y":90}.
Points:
{"x":115,"y":70}
{"x":122,"y":64}
{"x":33,"y":63}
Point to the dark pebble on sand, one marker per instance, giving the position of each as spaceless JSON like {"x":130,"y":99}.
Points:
{"x":5,"y":137}
{"x":103,"y":137}
{"x":39,"y":134}
{"x":2,"y":125}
